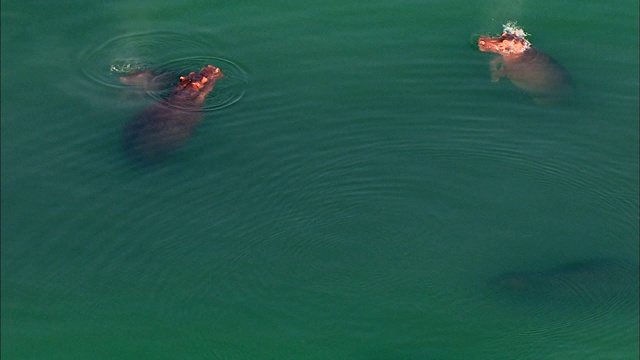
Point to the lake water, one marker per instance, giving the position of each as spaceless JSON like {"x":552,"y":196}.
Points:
{"x":356,"y":182}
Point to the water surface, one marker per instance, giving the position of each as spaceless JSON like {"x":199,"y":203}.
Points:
{"x":348,"y":195}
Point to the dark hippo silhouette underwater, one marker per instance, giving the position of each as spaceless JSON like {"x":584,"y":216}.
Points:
{"x":167,"y":124}
{"x":586,"y":280}
{"x":527,"y":67}
{"x":150,"y":80}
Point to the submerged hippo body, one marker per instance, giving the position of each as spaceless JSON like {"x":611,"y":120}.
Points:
{"x":528,"y":68}
{"x":594,"y":279}
{"x":150,"y":80}
{"x":167,"y":124}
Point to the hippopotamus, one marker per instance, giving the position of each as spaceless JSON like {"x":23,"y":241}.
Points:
{"x":527,"y":67}
{"x":585,"y":279}
{"x":150,"y":80}
{"x":168,"y":123}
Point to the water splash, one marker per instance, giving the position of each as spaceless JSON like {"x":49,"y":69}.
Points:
{"x":511,"y":27}
{"x":126,"y":66}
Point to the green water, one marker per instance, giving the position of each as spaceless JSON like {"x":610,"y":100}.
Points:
{"x":353,"y":202}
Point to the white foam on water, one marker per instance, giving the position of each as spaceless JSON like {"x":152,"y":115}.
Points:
{"x":125,"y":66}
{"x":511,"y":27}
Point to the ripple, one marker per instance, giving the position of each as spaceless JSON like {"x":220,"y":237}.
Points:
{"x":163,"y":51}
{"x":595,"y":304}
{"x":587,"y":290}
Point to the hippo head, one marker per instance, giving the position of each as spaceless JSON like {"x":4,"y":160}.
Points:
{"x":148,"y":80}
{"x":137,"y":78}
{"x":507,"y":44}
{"x":197,"y":85}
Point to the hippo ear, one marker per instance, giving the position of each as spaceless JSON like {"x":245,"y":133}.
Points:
{"x":183,"y":82}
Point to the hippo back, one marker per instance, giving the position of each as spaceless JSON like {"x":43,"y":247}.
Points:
{"x":593,"y":280}
{"x":540,"y":75}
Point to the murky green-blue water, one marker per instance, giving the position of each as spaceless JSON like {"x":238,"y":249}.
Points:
{"x":355,"y":184}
